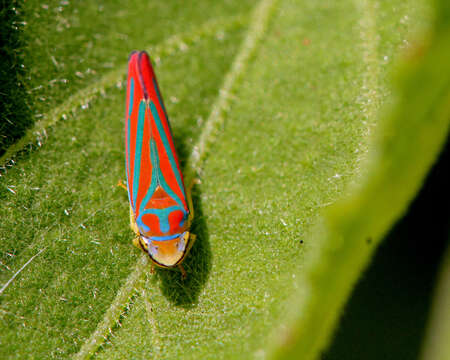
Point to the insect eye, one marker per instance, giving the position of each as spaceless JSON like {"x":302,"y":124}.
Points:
{"x":153,"y":249}
{"x":181,"y":245}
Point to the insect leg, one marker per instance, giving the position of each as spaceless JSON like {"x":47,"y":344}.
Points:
{"x":122,"y":185}
{"x":183,"y":272}
{"x":137,"y":243}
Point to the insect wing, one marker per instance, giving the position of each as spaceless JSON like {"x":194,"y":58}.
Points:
{"x":155,"y":183}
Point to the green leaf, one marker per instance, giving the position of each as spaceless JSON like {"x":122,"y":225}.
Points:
{"x":62,"y":198}
{"x":273,"y":109}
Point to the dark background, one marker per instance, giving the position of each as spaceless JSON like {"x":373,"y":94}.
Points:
{"x":386,"y":316}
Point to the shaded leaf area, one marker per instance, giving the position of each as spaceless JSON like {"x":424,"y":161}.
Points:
{"x":290,"y":145}
{"x":67,"y":45}
{"x":14,"y":107}
{"x":387,"y":314}
{"x":64,"y":199}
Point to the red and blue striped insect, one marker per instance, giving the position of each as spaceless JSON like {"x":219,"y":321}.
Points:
{"x":160,"y":208}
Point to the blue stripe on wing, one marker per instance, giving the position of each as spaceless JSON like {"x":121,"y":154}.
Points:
{"x":138,"y":154}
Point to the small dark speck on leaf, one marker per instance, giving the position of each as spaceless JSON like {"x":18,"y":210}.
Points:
{"x":369,"y":240}
{"x":301,"y":241}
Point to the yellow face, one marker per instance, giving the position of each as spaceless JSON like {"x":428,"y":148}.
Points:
{"x":168,"y":253}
